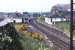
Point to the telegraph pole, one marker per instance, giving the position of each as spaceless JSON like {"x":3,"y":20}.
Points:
{"x":71,"y":26}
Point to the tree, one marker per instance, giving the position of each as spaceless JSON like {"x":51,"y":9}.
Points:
{"x":12,"y":33}
{"x":25,"y":13}
{"x":36,"y":15}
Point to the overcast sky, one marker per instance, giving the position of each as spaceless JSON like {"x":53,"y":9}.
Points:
{"x":29,"y":5}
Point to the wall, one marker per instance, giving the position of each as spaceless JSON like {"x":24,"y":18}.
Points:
{"x":58,"y":19}
{"x":18,"y":20}
{"x":48,"y":20}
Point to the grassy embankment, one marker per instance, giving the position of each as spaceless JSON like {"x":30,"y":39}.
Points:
{"x":30,"y":40}
{"x":65,"y":26}
{"x":61,"y":25}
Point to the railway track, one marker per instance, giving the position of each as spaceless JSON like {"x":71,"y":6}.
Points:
{"x":57,"y":37}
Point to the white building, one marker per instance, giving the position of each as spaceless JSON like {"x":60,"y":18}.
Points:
{"x":52,"y":20}
{"x":17,"y":20}
{"x":9,"y":20}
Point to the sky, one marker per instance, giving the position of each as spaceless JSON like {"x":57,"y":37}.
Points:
{"x":29,"y":5}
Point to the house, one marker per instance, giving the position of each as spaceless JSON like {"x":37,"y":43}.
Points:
{"x":63,"y":9}
{"x":52,"y":20}
{"x":7,"y":20}
{"x":14,"y":14}
{"x":17,"y":20}
{"x":60,"y":12}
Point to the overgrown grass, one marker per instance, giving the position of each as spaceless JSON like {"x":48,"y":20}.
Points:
{"x":22,"y":28}
{"x":65,"y":26}
{"x":31,"y":44}
{"x":30,"y":40}
{"x":41,"y":18}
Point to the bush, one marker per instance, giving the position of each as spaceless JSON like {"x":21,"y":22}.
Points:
{"x":37,"y":36}
{"x":31,"y":44}
{"x":21,"y":27}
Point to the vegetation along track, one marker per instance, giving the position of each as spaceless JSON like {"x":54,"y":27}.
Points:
{"x":52,"y":35}
{"x":10,"y":36}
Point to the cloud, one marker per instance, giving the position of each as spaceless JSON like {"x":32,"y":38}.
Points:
{"x":29,"y":5}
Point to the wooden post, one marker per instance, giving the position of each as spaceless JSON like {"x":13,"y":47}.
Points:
{"x":71,"y":26}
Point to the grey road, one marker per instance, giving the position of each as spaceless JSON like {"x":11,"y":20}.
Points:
{"x":59,"y":39}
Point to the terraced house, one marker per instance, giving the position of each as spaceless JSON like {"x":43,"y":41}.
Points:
{"x":59,"y":12}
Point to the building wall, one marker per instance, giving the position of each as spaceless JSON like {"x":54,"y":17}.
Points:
{"x":9,"y":20}
{"x":58,"y":19}
{"x":48,"y":20}
{"x":18,"y":20}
